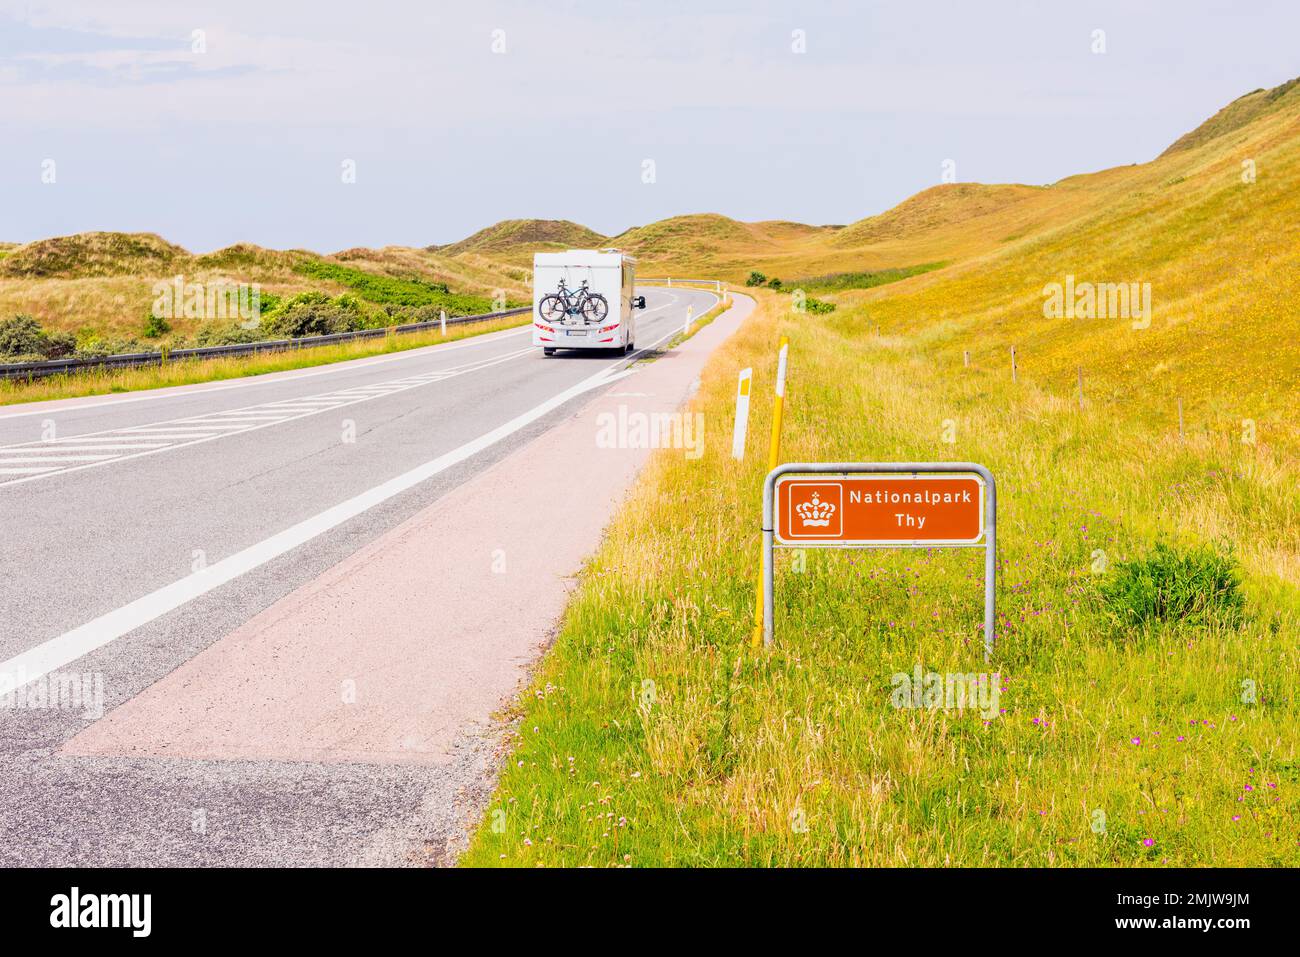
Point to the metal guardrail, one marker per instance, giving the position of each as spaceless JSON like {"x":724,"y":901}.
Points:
{"x":129,"y":360}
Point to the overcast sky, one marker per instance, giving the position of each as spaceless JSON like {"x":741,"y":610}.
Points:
{"x":458,"y":115}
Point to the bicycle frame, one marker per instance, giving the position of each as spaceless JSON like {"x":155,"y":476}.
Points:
{"x":573,"y":301}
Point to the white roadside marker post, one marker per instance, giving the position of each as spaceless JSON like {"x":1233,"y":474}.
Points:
{"x":742,"y":414}
{"x":686,"y":329}
{"x":442,"y":315}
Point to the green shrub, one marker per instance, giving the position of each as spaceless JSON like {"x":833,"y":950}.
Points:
{"x":155,"y":326}
{"x":228,"y":334}
{"x":22,"y":338}
{"x":311,"y":314}
{"x":1195,"y":587}
{"x":97,"y":346}
{"x":774,"y":283}
{"x":756,"y":279}
{"x":818,"y":306}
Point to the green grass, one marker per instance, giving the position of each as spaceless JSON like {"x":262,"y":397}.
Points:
{"x":387,"y":290}
{"x":841,"y":281}
{"x":653,"y":736}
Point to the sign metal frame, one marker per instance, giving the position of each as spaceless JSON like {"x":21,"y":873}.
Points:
{"x":908,"y":469}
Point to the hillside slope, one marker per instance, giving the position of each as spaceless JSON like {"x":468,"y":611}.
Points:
{"x":517,"y":239}
{"x":1218,"y":252}
{"x":1234,"y":116}
{"x":88,"y":255}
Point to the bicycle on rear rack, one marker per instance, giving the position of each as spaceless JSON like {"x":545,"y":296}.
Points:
{"x":564,"y":304}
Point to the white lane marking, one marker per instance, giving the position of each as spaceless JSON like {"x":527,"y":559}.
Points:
{"x":192,"y":430}
{"x":35,"y":663}
{"x":247,"y":417}
{"x":115,"y":439}
{"x":97,"y":448}
{"x":238,"y":422}
{"x":171,"y":429}
{"x":348,"y":365}
{"x":147,"y":434}
{"x":55,"y":459}
{"x":26,"y":471}
{"x":55,"y":653}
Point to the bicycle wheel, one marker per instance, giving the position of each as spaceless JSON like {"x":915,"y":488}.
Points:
{"x":595,"y":308}
{"x":551,"y":308}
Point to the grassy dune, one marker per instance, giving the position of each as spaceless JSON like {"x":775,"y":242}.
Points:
{"x":652,"y":735}
{"x":101,"y":284}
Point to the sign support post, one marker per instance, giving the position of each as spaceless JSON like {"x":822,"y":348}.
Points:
{"x":958,"y":527}
{"x":761,"y":622}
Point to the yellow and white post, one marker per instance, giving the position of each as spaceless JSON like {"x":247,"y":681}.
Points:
{"x":773,"y":456}
{"x":742,"y":414}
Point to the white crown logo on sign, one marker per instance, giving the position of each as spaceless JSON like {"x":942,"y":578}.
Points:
{"x":815,"y":513}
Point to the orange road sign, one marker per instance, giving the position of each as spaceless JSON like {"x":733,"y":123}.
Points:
{"x":890,"y":510}
{"x":880,"y":505}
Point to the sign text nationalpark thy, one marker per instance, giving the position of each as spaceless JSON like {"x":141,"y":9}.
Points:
{"x":895,"y":510}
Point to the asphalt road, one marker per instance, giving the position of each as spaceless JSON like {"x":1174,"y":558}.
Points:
{"x":139,"y":529}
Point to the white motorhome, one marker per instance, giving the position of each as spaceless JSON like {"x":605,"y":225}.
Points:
{"x":585,"y":299}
